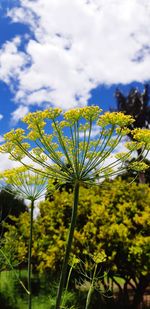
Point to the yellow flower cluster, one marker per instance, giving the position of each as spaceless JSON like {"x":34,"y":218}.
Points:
{"x":100,"y":257}
{"x":73,"y":114}
{"x":142,"y":135}
{"x":59,"y":154}
{"x":14,"y":139}
{"x":112,"y":143}
{"x":88,"y":112}
{"x":11,"y":176}
{"x":7,"y":147}
{"x":139,"y":166}
{"x":123,"y":156}
{"x":132,"y":145}
{"x":62,"y":124}
{"x":18,"y":153}
{"x":13,"y":135}
{"x":33,"y":117}
{"x":91,"y":112}
{"x":78,"y":148}
{"x":123,"y":131}
{"x":73,"y":260}
{"x":39,"y":154}
{"x":35,"y":120}
{"x":21,"y":176}
{"x":33,"y":135}
{"x":115,"y":119}
{"x":51,"y":113}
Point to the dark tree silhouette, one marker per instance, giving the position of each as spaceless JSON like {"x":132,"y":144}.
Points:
{"x":9,"y":205}
{"x":136,"y":104}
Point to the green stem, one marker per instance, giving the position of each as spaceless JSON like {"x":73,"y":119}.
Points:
{"x":29,"y":255}
{"x":86,"y":146}
{"x":88,"y":299}
{"x":68,"y":246}
{"x":61,"y":142}
{"x":16,"y":275}
{"x":67,"y":284}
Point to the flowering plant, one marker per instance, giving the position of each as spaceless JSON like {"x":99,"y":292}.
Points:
{"x":27,"y":185}
{"x":64,"y":148}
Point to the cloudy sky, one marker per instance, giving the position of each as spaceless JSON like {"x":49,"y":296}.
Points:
{"x":70,"y":53}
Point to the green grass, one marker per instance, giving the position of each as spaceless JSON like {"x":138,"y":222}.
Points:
{"x":12,"y":295}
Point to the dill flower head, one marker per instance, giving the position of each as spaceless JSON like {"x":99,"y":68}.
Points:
{"x":66,"y":147}
{"x":24,"y":183}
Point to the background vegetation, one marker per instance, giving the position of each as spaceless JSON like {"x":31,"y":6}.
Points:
{"x":113,"y":220}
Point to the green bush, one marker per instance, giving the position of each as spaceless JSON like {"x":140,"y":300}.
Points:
{"x":113,"y":219}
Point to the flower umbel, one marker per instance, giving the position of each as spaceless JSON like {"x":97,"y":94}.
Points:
{"x":24,"y":183}
{"x":27,"y":185}
{"x":75,"y":147}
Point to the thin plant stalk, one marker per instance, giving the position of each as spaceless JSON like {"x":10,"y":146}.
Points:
{"x":29,"y":256}
{"x":88,"y":299}
{"x":12,"y":268}
{"x":67,"y":283}
{"x":68,"y":246}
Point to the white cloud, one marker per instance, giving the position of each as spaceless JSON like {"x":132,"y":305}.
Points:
{"x":11,"y":61}
{"x":1,"y":116}
{"x":19,"y":113}
{"x":94,"y":132}
{"x":78,"y":45}
{"x":6,"y":163}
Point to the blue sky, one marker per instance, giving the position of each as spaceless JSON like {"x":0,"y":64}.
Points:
{"x":70,"y":53}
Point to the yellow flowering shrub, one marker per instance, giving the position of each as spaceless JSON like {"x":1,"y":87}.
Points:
{"x":113,"y":223}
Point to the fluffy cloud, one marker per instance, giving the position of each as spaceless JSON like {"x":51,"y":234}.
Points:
{"x":77,"y":46}
{"x":19,"y":113}
{"x":6,"y":163}
{"x":11,"y":61}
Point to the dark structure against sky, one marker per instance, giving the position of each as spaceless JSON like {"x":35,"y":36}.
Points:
{"x":136,"y":103}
